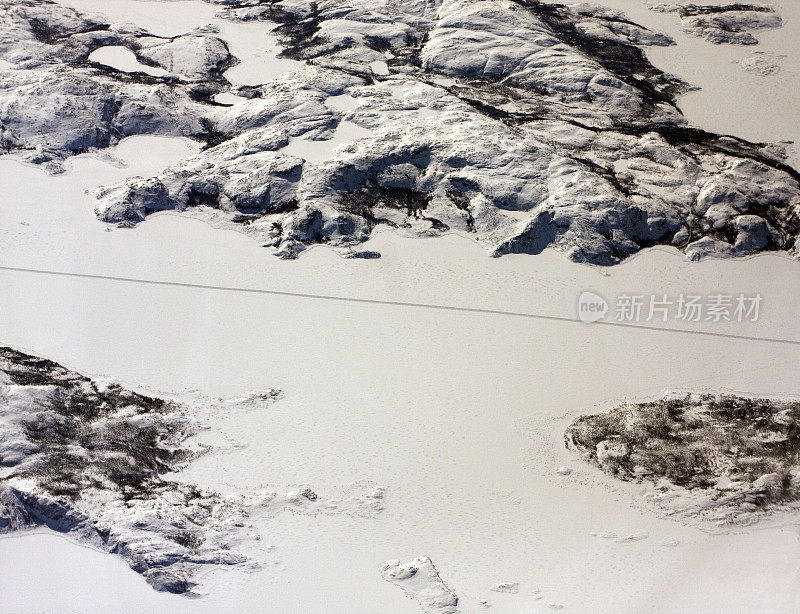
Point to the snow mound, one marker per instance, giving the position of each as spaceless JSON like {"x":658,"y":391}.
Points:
{"x":762,"y":63}
{"x":421,"y":582}
{"x":506,"y":587}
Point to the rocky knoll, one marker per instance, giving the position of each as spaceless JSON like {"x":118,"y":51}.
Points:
{"x":721,"y":459}
{"x":91,"y":460}
{"x":731,"y":24}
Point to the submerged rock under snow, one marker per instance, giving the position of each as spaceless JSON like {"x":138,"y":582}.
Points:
{"x":523,"y":124}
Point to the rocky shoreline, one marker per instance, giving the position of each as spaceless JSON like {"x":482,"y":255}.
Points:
{"x":566,"y":137}
{"x":95,"y":461}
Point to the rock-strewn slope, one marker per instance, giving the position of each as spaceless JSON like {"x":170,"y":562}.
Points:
{"x":524,"y":124}
{"x":89,"y":459}
{"x":718,"y":458}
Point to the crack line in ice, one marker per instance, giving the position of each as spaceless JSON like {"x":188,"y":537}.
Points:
{"x":373,"y":301}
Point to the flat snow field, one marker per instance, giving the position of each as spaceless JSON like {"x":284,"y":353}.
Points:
{"x":459,"y":415}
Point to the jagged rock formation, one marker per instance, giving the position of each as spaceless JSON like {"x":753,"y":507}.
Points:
{"x":88,"y":459}
{"x":524,"y":124}
{"x":717,"y":458}
{"x":420,"y":580}
{"x":724,"y":24}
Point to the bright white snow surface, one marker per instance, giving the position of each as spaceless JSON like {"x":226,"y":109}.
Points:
{"x":122,"y":58}
{"x":459,"y":415}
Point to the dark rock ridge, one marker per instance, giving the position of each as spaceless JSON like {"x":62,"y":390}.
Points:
{"x":524,"y":124}
{"x":723,"y":458}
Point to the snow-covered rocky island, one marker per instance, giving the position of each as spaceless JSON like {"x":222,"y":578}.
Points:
{"x":721,"y":459}
{"x":724,"y":24}
{"x":523,"y":124}
{"x":91,"y":460}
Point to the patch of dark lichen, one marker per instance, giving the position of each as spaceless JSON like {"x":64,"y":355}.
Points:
{"x":694,"y":441}
{"x":210,"y":135}
{"x":462,"y":202}
{"x":363,"y":202}
{"x":197,"y":197}
{"x":88,"y":436}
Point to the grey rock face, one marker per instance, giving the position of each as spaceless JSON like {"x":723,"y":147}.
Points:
{"x":524,"y":124}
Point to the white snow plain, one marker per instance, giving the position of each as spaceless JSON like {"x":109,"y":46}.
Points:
{"x":459,"y":415}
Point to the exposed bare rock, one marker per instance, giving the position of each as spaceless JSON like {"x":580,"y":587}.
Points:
{"x":718,"y":459}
